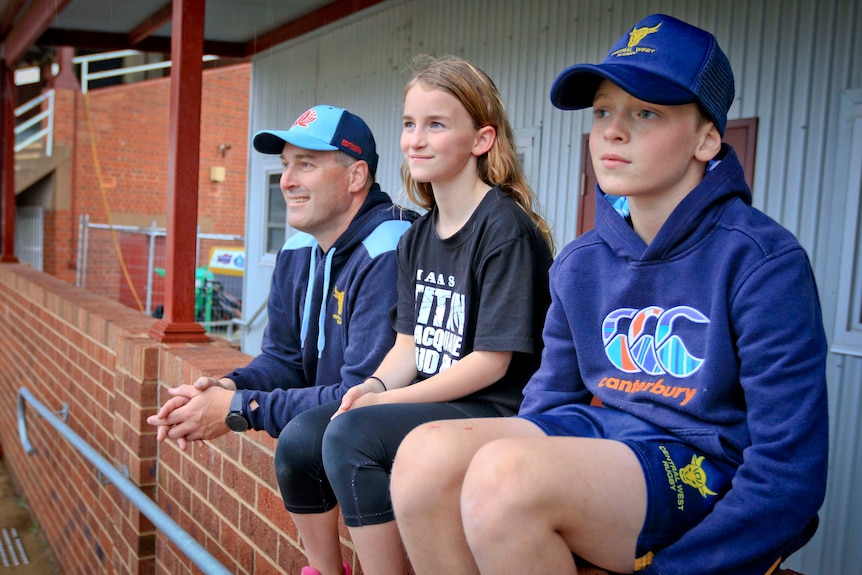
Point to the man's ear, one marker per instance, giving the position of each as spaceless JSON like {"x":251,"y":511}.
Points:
{"x":710,"y":143}
{"x":359,"y":175}
{"x":485,"y":138}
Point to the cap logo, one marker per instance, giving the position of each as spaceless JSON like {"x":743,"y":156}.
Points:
{"x":351,"y":146}
{"x":635,"y":38}
{"x":305,"y":119}
{"x":638,"y":34}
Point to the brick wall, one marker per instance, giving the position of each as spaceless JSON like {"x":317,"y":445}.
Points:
{"x":70,"y":346}
{"x":125,"y":130}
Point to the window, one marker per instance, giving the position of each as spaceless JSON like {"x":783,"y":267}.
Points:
{"x":848,"y":316}
{"x":276,"y":215}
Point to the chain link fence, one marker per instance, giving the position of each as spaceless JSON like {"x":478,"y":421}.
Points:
{"x":127,"y":264}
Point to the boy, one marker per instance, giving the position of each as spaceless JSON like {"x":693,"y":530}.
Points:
{"x":693,"y":317}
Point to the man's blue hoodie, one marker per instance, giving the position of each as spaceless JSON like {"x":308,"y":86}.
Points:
{"x":315,"y":348}
{"x":714,"y":332}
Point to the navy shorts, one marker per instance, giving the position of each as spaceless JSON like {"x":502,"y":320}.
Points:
{"x":683,"y":484}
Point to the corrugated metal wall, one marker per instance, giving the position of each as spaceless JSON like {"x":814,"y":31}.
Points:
{"x":792,"y":60}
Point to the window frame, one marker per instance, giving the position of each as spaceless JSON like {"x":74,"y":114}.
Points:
{"x":268,"y":222}
{"x":847,"y":337}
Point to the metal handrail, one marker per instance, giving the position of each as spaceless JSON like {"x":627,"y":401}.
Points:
{"x":162,"y":521}
{"x":242,"y":324}
{"x":87,"y":76}
{"x":47,"y":132}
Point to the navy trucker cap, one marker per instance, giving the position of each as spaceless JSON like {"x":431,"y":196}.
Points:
{"x":662,"y":61}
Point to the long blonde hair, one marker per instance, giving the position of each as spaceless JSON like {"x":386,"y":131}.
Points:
{"x":478,"y":94}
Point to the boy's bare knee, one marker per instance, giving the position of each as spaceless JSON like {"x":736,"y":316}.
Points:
{"x":497,"y":485}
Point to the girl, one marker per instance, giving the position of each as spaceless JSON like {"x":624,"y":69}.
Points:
{"x":472,"y":295}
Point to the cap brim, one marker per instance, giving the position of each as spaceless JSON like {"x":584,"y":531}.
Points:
{"x":273,"y":141}
{"x":576,"y":86}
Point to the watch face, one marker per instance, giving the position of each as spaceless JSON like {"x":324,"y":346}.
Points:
{"x":236,"y":422}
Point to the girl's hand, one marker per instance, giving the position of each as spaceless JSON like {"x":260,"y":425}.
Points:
{"x":360,"y":395}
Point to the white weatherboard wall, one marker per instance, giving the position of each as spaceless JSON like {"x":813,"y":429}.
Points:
{"x":794,"y":62}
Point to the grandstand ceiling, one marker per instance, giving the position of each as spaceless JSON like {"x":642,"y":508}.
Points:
{"x":232,"y":28}
{"x":31,"y":30}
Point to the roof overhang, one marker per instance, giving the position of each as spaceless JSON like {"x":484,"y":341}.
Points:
{"x":232,"y":28}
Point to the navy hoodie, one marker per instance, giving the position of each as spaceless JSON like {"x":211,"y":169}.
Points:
{"x":714,"y":332}
{"x":314,"y":348}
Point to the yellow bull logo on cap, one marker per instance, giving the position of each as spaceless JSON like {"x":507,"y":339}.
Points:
{"x":638,"y":34}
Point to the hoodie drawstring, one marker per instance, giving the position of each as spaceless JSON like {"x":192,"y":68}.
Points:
{"x":321,"y":319}
{"x":309,"y":292}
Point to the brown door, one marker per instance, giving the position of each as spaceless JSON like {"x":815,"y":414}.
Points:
{"x":741,"y":134}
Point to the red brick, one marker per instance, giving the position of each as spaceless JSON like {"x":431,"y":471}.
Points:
{"x":223,"y":493}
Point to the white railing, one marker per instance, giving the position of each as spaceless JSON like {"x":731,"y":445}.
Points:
{"x":46,"y":130}
{"x":41,"y":125}
{"x":87,"y":76}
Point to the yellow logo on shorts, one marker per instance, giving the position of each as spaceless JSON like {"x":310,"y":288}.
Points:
{"x":694,"y":475}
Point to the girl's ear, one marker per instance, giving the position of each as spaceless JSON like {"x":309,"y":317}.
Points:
{"x":710,"y":144}
{"x":485,"y":138}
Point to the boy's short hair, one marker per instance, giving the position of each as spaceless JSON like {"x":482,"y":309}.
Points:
{"x":662,"y":61}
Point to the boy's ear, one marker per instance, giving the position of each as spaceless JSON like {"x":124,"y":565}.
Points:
{"x":710,"y":144}
{"x":485,"y":138}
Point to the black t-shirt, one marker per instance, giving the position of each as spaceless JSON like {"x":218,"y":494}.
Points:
{"x":484,"y":288}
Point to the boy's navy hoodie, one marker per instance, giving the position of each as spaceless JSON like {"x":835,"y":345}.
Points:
{"x":314,"y":348}
{"x":714,"y":332}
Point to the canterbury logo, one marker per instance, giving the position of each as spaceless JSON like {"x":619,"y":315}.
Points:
{"x":638,"y":34}
{"x":305,"y":119}
{"x":651,"y":344}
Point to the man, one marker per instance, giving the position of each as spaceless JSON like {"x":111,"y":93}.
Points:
{"x":331,"y":291}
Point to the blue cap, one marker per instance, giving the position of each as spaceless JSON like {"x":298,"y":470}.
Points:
{"x":323,"y":128}
{"x":662,"y":61}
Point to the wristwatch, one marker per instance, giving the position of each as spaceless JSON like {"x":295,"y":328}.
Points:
{"x":235,"y":419}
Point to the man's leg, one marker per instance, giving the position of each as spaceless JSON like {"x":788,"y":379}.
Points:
{"x":305,"y":490}
{"x":426,"y":488}
{"x":528,"y":503}
{"x":318,"y":534}
{"x":379,"y":548}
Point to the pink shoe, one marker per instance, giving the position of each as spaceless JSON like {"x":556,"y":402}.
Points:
{"x":312,"y":571}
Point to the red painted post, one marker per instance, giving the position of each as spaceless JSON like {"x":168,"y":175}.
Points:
{"x":7,"y":161}
{"x":178,"y":323}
